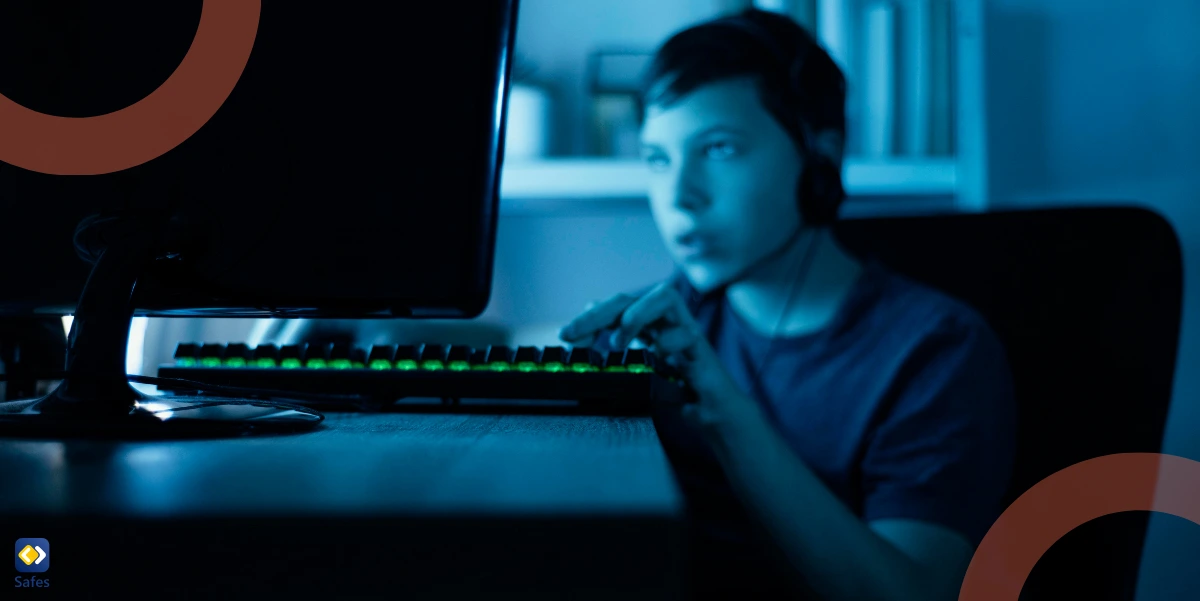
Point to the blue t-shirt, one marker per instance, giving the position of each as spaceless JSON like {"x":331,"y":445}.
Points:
{"x":902,"y":405}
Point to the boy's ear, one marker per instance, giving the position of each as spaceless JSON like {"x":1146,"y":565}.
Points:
{"x":829,"y":143}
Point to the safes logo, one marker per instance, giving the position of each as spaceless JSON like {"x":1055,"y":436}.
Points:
{"x":33,"y":555}
{"x":150,"y":127}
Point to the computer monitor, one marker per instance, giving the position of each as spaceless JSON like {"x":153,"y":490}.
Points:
{"x":351,"y":171}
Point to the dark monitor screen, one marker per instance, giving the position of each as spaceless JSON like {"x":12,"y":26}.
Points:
{"x":352,"y":171}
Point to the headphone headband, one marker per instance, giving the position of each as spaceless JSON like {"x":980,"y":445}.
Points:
{"x":796,"y":66}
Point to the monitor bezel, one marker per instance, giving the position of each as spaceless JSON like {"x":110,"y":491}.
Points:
{"x":156,"y":297}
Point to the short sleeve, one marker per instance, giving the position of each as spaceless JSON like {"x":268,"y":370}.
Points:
{"x":942,"y":451}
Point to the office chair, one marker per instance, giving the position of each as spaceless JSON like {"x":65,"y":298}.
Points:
{"x":1087,"y":302}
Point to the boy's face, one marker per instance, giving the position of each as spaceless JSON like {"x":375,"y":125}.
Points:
{"x":723,"y":176}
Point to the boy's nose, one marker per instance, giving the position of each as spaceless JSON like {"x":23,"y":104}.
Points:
{"x":688,"y":199}
{"x":688,"y":192}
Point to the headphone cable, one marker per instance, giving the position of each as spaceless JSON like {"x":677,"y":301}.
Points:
{"x":795,"y":286}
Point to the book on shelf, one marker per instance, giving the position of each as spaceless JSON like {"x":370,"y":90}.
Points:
{"x":834,"y":30}
{"x":941,"y":81}
{"x":914,"y":77}
{"x":879,"y":80}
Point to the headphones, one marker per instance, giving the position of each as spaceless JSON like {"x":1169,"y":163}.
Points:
{"x":819,"y":193}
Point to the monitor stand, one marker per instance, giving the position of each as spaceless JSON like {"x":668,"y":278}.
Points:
{"x":95,"y":400}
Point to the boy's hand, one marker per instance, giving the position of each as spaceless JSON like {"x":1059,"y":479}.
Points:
{"x":661,"y":319}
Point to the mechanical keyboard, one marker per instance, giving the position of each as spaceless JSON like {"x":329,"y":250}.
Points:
{"x":437,"y":377}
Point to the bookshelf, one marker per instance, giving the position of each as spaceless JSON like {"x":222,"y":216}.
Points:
{"x":597,"y":179}
{"x":917,"y":134}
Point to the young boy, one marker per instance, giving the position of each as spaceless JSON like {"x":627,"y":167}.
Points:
{"x":854,"y":432}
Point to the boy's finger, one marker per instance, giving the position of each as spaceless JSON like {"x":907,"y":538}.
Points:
{"x":599,"y":317}
{"x":674,"y":340}
{"x":645,"y":311}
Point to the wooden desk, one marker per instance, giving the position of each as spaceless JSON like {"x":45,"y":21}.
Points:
{"x":399,"y":506}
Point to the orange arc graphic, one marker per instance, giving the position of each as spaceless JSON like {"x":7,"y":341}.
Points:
{"x":1068,"y":499}
{"x":154,"y":125}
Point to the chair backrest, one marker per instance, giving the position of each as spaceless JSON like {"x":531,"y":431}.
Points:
{"x":1087,"y":302}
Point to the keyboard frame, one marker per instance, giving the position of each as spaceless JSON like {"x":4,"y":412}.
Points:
{"x":603,"y":392}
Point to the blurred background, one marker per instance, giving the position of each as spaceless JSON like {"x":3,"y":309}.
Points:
{"x":955,"y":105}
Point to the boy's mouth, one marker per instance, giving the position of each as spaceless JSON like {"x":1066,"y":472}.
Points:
{"x":695,"y":244}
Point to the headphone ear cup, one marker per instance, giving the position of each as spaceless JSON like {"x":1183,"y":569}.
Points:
{"x":819,"y":194}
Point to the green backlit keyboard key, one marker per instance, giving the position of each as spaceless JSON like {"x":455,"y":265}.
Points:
{"x":382,"y":357}
{"x":265,"y":356}
{"x":554,"y":359}
{"x":408,"y":357}
{"x":616,"y":382}
{"x":290,"y":356}
{"x":527,"y":359}
{"x":317,"y":356}
{"x":434,"y":356}
{"x":236,"y":355}
{"x":500,"y":358}
{"x":584,"y":360}
{"x":211,"y":355}
{"x":187,"y":355}
{"x":459,"y":358}
{"x":478,"y":359}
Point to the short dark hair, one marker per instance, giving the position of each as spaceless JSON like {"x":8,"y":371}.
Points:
{"x":798,"y":82}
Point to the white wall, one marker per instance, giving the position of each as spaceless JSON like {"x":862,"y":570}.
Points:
{"x":1099,"y":100}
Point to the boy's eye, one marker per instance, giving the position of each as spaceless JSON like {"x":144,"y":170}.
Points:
{"x":656,"y":162}
{"x":719,"y":150}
